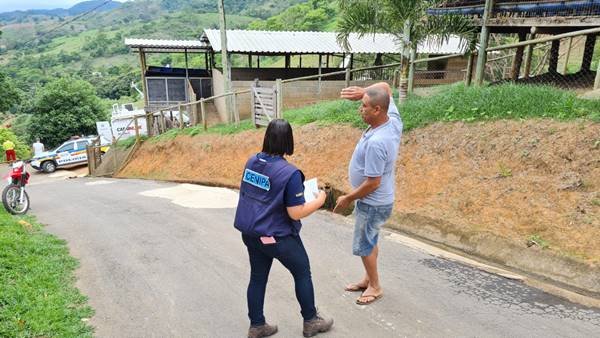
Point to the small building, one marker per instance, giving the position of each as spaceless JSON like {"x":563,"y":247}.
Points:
{"x":269,"y":55}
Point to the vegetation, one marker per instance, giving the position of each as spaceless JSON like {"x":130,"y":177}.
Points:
{"x":38,"y":297}
{"x":9,"y":95}
{"x":314,"y":15}
{"x":63,"y":108}
{"x":21,"y":148}
{"x":406,"y":20}
{"x":467,"y":104}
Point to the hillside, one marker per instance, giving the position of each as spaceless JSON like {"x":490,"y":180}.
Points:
{"x":33,"y":50}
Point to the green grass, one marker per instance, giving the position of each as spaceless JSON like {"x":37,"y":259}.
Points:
{"x":468,"y":104}
{"x":452,"y":103}
{"x":37,"y":294}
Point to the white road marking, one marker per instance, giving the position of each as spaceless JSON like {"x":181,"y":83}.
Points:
{"x":197,"y":196}
{"x":99,"y":182}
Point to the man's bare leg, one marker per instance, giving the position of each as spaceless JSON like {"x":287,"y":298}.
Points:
{"x":374,"y":288}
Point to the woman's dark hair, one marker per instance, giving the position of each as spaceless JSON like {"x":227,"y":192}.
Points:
{"x":279,"y":139}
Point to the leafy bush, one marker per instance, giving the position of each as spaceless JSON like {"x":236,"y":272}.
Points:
{"x":63,"y":108}
{"x":21,"y":148}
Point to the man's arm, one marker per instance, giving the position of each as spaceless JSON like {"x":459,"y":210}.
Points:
{"x":356,"y":93}
{"x":368,"y":186}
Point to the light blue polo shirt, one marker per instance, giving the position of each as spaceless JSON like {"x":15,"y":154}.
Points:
{"x":375,"y":155}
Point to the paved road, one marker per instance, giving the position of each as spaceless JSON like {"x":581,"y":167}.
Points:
{"x":163,"y":267}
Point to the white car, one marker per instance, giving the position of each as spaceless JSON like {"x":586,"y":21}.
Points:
{"x":69,"y":153}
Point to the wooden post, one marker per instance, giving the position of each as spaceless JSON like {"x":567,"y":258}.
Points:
{"x":162,"y":122}
{"x":143,"y":65}
{"x":529,"y":56}
{"x":567,"y":55}
{"x":553,"y":63}
{"x":320,"y":73}
{"x":203,"y":112}
{"x":236,"y":111}
{"x":348,"y":77}
{"x":137,"y":129}
{"x":597,"y":81}
{"x":515,"y":69}
{"x":187,"y":74}
{"x":279,"y":98}
{"x":249,"y":60}
{"x":470,"y":64}
{"x":411,"y":70}
{"x":287,"y":61}
{"x":180,"y":108}
{"x":483,"y":42}
{"x":588,"y":52}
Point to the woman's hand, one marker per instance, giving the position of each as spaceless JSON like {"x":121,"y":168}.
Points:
{"x":320,"y":196}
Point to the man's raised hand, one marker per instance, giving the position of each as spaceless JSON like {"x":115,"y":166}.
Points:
{"x":353,"y":93}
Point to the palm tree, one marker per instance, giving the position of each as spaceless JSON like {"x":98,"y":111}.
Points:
{"x":407,"y":20}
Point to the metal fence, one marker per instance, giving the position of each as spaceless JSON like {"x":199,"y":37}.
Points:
{"x":568,"y":63}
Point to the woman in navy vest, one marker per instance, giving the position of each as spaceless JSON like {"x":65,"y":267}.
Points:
{"x":269,"y":210}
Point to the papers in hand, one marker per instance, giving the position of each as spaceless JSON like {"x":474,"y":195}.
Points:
{"x":310,"y":189}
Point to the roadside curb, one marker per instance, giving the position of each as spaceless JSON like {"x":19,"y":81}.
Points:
{"x":561,"y":276}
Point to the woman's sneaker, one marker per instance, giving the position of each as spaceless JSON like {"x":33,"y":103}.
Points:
{"x":317,"y":325}
{"x":264,"y":330}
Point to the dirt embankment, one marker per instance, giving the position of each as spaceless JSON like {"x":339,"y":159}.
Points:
{"x":516,"y":182}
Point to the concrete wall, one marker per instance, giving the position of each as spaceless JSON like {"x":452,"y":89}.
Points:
{"x":296,"y":94}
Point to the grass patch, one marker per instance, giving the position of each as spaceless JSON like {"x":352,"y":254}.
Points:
{"x":467,"y":104}
{"x":221,"y":129}
{"x":129,"y":142}
{"x":37,"y":294}
{"x":537,"y":240}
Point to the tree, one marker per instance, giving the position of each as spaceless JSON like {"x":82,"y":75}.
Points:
{"x":407,"y":20}
{"x":9,"y":94}
{"x":63,"y":108}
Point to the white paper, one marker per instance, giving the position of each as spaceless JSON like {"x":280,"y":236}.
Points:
{"x":310,"y":189}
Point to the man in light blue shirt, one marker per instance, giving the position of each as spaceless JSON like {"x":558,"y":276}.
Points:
{"x":372,"y":176}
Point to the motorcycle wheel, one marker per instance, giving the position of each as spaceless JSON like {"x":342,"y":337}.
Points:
{"x":10,"y":200}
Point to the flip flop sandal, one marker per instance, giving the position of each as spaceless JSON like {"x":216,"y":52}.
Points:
{"x":355,"y":288}
{"x":372,"y":298}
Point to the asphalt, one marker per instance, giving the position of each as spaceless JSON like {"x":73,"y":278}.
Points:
{"x":155,"y":268}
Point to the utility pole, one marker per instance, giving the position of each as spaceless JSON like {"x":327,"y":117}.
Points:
{"x":225,"y":61}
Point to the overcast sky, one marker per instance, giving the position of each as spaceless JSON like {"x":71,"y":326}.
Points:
{"x":13,"y":5}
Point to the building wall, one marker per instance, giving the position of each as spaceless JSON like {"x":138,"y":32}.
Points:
{"x":296,"y":94}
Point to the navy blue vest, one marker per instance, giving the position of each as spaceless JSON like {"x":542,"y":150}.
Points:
{"x":261,"y":209}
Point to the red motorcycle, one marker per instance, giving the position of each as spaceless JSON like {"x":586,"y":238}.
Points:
{"x":14,"y":196}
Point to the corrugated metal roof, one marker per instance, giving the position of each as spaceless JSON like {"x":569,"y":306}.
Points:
{"x":246,"y":41}
{"x":164,"y":44}
{"x":281,"y":42}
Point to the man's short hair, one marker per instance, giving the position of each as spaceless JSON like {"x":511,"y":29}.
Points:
{"x":378,"y":97}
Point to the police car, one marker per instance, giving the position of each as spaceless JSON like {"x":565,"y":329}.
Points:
{"x":69,"y":153}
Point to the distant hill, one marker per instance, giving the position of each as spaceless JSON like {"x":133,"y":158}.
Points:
{"x":85,"y":6}
{"x":82,"y":7}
